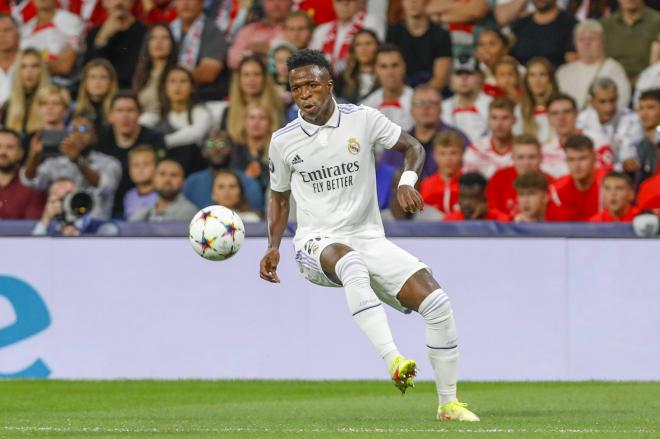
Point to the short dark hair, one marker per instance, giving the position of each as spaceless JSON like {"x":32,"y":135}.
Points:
{"x":531,"y":180}
{"x":302,"y":14}
{"x":502,"y":103}
{"x":126,"y":94}
{"x":653,"y":93}
{"x":526,"y":139}
{"x":562,"y":97}
{"x":579,"y":142}
{"x":388,"y":48}
{"x":448,"y":138}
{"x":473,"y":179}
{"x":307,"y":57}
{"x":142,"y":148}
{"x":620,"y":175}
{"x":11,"y":133}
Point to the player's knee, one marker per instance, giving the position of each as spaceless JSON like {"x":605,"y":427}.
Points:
{"x":331,"y":255}
{"x":440,"y":327}
{"x":351,"y":269}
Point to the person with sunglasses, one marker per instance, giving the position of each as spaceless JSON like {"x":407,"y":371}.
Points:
{"x":90,"y":170}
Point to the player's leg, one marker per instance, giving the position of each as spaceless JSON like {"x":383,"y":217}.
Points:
{"x":422,"y":293}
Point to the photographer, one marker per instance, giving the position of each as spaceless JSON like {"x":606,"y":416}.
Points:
{"x":75,"y":159}
{"x":67,"y":213}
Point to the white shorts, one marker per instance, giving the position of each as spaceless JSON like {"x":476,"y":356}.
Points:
{"x":389,"y":265}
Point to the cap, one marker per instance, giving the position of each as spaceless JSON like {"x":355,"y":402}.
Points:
{"x":465,"y":63}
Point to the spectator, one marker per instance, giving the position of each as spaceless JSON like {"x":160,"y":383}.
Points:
{"x":10,"y":39}
{"x":426,"y":47}
{"x":90,"y":170}
{"x":618,"y":195}
{"x":394,"y":97}
{"x":334,"y":38}
{"x":230,"y":16}
{"x":115,"y":40}
{"x":124,"y":134}
{"x":648,"y":151}
{"x":279,"y":71}
{"x":157,"y":11}
{"x":358,"y":79}
{"x":440,"y":190}
{"x":649,"y":194}
{"x":620,"y":126}
{"x":218,"y":155}
{"x":492,"y":152}
{"x":468,"y":108}
{"x":507,"y":80}
{"x":576,"y":77}
{"x":56,"y":34}
{"x":526,"y":157}
{"x":532,"y":198}
{"x":546,"y":33}
{"x":56,"y":222}
{"x":577,"y":194}
{"x":16,"y":200}
{"x":184,"y":123}
{"x":563,"y":117}
{"x":171,"y":205}
{"x":52,"y":103}
{"x":228,"y":191}
{"x":508,"y":11}
{"x":472,"y":201}
{"x":539,"y":86}
{"x":251,"y":157}
{"x":461,"y":18}
{"x":142,"y":161}
{"x":157,"y":55}
{"x":629,"y":33}
{"x":96,"y":90}
{"x":21,"y":115}
{"x":647,"y":80}
{"x":255,"y":38}
{"x":492,"y":46}
{"x":202,"y":49}
{"x":298,"y":29}
{"x":250,"y":84}
{"x":321,"y":11}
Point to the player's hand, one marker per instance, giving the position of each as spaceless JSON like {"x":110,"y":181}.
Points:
{"x":268,"y":266}
{"x":409,"y":199}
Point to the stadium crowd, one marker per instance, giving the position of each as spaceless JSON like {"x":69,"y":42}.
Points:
{"x":541,"y":110}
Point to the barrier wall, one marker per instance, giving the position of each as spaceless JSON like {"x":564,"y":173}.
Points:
{"x":527,"y":309}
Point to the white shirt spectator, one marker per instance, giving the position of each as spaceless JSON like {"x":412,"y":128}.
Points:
{"x":545,"y":131}
{"x":396,"y":111}
{"x":480,"y":156}
{"x":50,"y":39}
{"x":575,"y":79}
{"x":623,"y":132}
{"x":554,"y":157}
{"x":185,"y":133}
{"x":5,"y":83}
{"x":473,"y":120}
{"x":647,"y":80}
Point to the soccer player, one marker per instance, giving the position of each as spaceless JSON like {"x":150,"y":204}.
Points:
{"x":325,"y":158}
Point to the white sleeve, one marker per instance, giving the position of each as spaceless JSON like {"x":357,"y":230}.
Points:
{"x":193,"y":133}
{"x":149,"y":119}
{"x":382,"y":131}
{"x":280,"y":172}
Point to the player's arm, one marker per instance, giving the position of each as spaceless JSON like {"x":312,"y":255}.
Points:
{"x":409,"y":199}
{"x":278,"y":215}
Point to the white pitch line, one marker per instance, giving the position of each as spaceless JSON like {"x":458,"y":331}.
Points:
{"x":349,"y":430}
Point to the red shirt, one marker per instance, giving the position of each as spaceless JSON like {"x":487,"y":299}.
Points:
{"x":568,"y":203}
{"x":491,"y":215}
{"x":321,"y":11}
{"x":437,"y":193}
{"x":500,"y":192}
{"x":606,"y":216}
{"x":649,"y":194}
{"x":20,"y":202}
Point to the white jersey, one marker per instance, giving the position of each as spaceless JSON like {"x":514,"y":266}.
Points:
{"x":65,"y":29}
{"x":472,"y":120}
{"x":480,"y":156}
{"x":330,"y":171}
{"x":623,"y":132}
{"x":554,"y":157}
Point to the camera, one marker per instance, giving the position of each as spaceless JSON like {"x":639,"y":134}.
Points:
{"x":51,"y":140}
{"x":75,"y":205}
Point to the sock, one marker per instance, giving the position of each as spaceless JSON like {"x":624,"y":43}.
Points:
{"x":365,"y":307}
{"x":441,"y":340}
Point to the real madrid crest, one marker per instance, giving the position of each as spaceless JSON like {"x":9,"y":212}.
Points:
{"x":353,"y":145}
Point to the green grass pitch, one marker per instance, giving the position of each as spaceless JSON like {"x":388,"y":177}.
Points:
{"x":304,"y":409}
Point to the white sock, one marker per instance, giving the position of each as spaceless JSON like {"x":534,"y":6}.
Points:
{"x":441,"y":340}
{"x":364,"y":305}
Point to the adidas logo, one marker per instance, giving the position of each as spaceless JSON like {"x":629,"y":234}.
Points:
{"x":296,"y":160}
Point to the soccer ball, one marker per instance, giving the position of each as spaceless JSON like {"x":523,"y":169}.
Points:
{"x":216,"y":233}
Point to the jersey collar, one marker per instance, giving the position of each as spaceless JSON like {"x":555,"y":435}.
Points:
{"x":310,"y":129}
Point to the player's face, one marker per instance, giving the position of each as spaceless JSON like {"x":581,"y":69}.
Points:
{"x":562,"y":117}
{"x":526,"y":158}
{"x":500,"y":123}
{"x":11,"y":152}
{"x":426,"y":107}
{"x":297,"y":32}
{"x":169,"y":179}
{"x":581,"y":163}
{"x":226,"y":191}
{"x":311,"y":88}
{"x":617,"y":194}
{"x":472,"y":201}
{"x":390,"y":70}
{"x":604,"y":102}
{"x":142,"y":167}
{"x":649,"y":113}
{"x":448,"y":158}
{"x":251,"y":79}
{"x":52,"y":109}
{"x":97,"y":83}
{"x":532,"y":203}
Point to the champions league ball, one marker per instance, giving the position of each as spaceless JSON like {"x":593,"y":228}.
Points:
{"x":216,"y":233}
